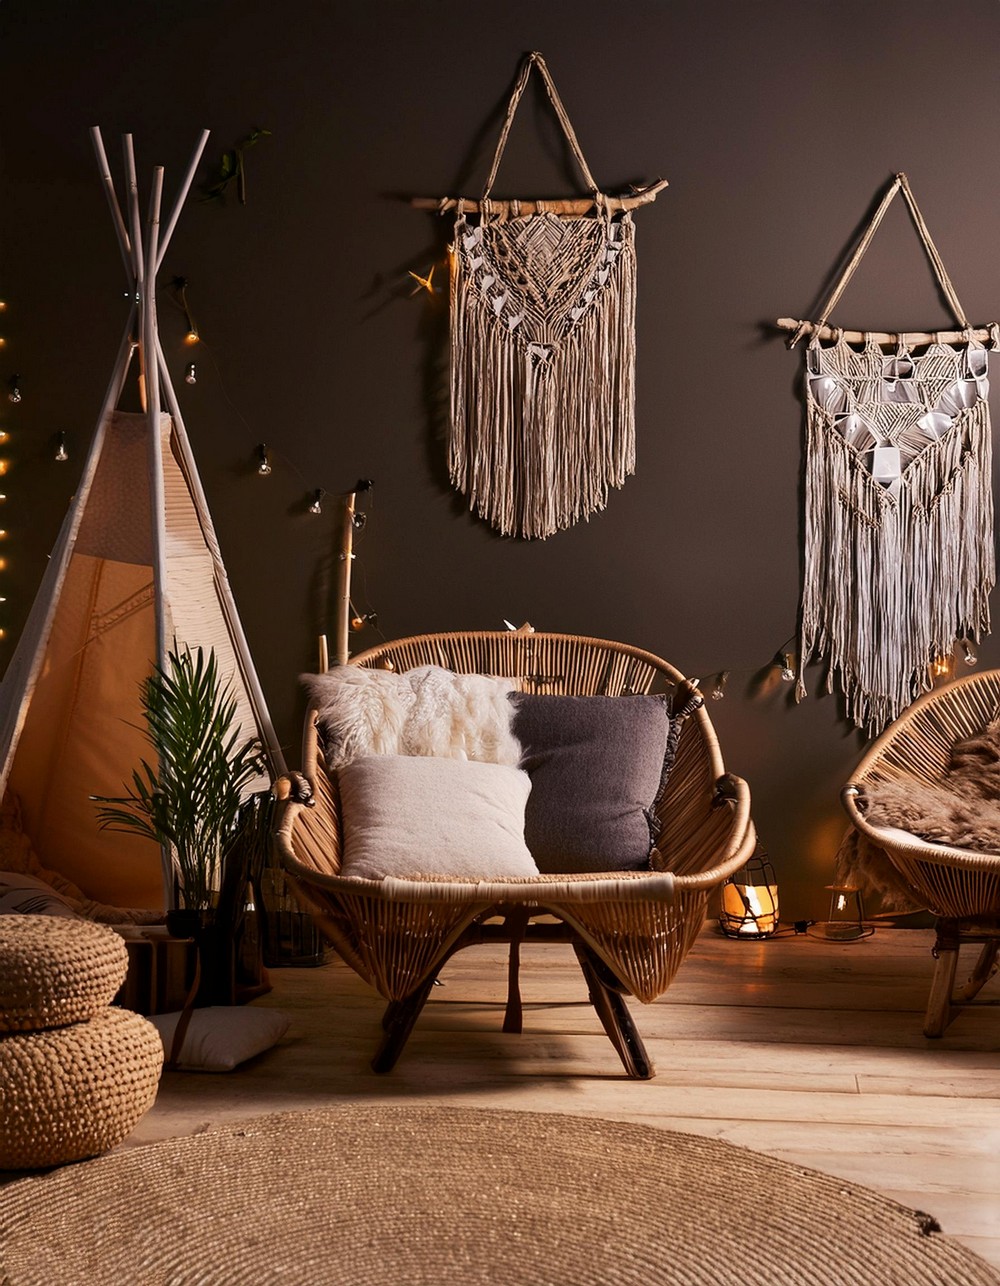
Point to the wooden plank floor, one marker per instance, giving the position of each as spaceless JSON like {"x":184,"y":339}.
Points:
{"x":807,"y":1050}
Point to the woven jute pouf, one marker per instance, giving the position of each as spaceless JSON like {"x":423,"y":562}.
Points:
{"x":55,"y":971}
{"x":72,"y":1092}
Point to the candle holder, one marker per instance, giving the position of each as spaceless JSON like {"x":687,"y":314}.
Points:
{"x":750,"y":900}
{"x":847,"y":915}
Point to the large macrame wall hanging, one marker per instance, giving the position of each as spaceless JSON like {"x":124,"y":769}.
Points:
{"x":542,"y":346}
{"x":899,"y":558}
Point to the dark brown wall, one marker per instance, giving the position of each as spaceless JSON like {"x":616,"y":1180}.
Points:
{"x":776,"y":124}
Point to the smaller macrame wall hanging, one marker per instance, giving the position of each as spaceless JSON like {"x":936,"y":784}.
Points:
{"x":899,"y":559}
{"x":542,"y":346}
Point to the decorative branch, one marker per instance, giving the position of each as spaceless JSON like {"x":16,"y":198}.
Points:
{"x":232,"y":167}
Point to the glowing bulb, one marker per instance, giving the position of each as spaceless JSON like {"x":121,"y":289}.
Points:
{"x":192,"y":337}
{"x":969,"y":653}
{"x":3,"y":435}
{"x":263,"y":463}
{"x":317,"y":507}
{"x":940,"y":666}
{"x":788,"y":667}
{"x":62,"y":453}
{"x":190,"y":374}
{"x":719,"y":691}
{"x":357,"y":622}
{"x":15,"y":389}
{"x":3,"y":305}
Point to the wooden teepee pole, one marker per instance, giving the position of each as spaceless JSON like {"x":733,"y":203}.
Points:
{"x":152,"y":373}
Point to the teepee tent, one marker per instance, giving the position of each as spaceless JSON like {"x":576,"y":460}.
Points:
{"x":136,"y":567}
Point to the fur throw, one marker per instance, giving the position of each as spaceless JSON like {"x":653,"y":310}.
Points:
{"x":426,"y":711}
{"x":961,"y":810}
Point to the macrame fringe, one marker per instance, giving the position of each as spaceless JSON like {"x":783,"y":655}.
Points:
{"x":892,"y":581}
{"x":542,"y":418}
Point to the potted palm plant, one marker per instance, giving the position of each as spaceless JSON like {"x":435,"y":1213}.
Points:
{"x":193,"y":800}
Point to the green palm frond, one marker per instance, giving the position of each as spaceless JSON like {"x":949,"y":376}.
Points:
{"x":191,"y":800}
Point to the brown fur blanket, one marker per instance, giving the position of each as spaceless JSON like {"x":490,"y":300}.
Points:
{"x":961,"y":810}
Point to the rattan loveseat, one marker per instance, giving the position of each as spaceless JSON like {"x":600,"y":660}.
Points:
{"x":961,"y":887}
{"x":630,"y":930}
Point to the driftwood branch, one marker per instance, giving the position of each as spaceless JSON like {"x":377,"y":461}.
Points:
{"x":908,"y":338}
{"x":571,"y":206}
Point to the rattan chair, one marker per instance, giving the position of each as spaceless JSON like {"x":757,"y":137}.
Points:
{"x":960,"y":887}
{"x":630,"y":931}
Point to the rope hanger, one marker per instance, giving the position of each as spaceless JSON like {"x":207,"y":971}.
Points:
{"x":573,"y":206}
{"x":822,"y":330}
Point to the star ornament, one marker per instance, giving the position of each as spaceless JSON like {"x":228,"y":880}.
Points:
{"x":423,"y":283}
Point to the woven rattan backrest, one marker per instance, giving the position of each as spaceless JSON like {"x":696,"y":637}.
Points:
{"x":562,"y":665}
{"x":919,"y":742}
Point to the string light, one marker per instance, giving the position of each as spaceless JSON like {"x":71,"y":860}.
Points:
{"x":180,"y":286}
{"x":317,"y":502}
{"x":940,"y":666}
{"x":788,"y":667}
{"x":263,"y":463}
{"x":15,"y":389}
{"x":968,"y":653}
{"x":719,"y":691}
{"x":61,"y":452}
{"x":190,"y":374}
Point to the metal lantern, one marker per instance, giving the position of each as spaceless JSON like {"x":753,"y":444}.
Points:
{"x":750,"y":900}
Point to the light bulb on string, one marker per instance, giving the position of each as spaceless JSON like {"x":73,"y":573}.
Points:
{"x":940,"y":666}
{"x":263,"y":463}
{"x":317,"y":501}
{"x":15,"y":389}
{"x":719,"y":690}
{"x":190,"y":374}
{"x":180,"y":285}
{"x":788,"y":667}
{"x":969,"y":653}
{"x":61,"y":453}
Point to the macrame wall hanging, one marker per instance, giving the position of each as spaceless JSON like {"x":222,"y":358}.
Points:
{"x":542,"y":346}
{"x":899,"y":558}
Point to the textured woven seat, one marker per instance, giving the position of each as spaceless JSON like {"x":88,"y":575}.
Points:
{"x":960,"y":887}
{"x":630,"y":930}
{"x":72,"y":1092}
{"x":55,"y":971}
{"x":75,"y":1074}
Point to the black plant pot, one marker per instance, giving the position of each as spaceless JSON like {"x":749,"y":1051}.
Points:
{"x":216,"y":955}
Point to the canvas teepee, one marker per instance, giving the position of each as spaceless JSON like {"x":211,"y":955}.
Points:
{"x":135,"y":567}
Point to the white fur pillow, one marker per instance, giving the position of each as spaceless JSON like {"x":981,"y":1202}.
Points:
{"x":426,"y":711}
{"x":417,"y":815}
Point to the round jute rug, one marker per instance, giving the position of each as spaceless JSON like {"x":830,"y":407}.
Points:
{"x":427,"y":1196}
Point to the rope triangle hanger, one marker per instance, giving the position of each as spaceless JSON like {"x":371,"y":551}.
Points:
{"x":899,"y":552}
{"x":542,"y":344}
{"x":911,"y":339}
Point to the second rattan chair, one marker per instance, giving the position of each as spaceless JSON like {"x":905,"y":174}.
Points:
{"x":959,"y":886}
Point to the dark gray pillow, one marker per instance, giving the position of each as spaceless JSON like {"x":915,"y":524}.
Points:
{"x":597,"y":766}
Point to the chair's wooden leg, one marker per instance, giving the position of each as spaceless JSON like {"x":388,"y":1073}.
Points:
{"x":939,"y":1002}
{"x":398,"y":1021}
{"x":985,"y":968}
{"x":615,"y":1018}
{"x":516,"y":925}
